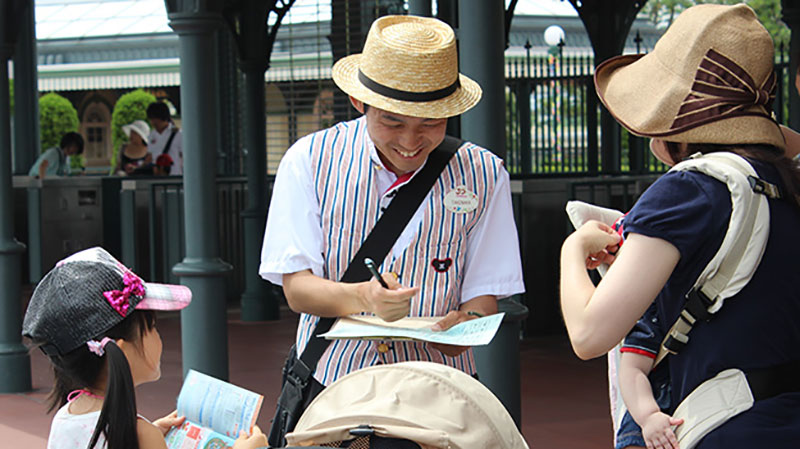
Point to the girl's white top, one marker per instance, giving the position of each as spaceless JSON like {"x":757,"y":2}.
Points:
{"x":70,"y":431}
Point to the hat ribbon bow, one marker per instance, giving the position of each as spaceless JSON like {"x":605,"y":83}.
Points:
{"x":723,"y":89}
{"x":120,"y":299}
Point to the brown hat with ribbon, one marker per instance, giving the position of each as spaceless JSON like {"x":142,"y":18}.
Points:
{"x":409,"y":66}
{"x":709,"y":79}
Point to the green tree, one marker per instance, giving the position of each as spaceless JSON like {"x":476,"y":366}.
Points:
{"x":57,"y":117}
{"x":131,"y":106}
{"x":663,"y":12}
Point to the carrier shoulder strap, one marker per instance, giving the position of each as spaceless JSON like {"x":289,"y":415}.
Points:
{"x":742,"y":247}
{"x":383,"y":236}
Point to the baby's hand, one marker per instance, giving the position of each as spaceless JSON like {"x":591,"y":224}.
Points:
{"x":657,"y":431}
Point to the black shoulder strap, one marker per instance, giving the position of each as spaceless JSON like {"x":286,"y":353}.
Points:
{"x":169,"y":141}
{"x":385,"y":233}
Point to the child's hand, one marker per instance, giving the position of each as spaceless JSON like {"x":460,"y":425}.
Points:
{"x":657,"y":431}
{"x":256,"y":440}
{"x":168,"y":422}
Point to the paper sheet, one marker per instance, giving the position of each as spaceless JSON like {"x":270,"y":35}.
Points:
{"x":477,"y":332}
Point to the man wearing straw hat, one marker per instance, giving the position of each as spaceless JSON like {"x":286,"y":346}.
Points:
{"x":453,"y":259}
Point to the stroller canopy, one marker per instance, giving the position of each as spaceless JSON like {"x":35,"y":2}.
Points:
{"x":430,"y":404}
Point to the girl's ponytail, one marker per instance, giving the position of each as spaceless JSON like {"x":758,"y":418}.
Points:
{"x":118,"y":416}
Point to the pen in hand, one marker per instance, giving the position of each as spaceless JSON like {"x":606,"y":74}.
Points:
{"x":374,"y":270}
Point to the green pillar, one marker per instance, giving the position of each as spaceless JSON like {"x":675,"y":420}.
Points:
{"x":607,"y":23}
{"x":419,"y":8}
{"x":259,"y":300}
{"x":791,"y":17}
{"x":481,"y":58}
{"x":204,"y":323}
{"x":26,"y":95}
{"x":15,"y":364}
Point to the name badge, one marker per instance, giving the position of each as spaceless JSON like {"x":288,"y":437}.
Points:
{"x":460,"y":200}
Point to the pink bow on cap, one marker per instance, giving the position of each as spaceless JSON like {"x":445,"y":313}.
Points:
{"x":120,"y":300}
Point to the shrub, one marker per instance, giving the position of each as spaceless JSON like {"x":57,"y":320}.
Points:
{"x":57,"y":117}
{"x":131,"y":106}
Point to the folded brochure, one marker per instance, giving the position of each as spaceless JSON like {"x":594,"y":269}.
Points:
{"x":215,"y":412}
{"x":477,"y":332}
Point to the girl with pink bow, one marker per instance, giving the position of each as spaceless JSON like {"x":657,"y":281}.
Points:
{"x":96,"y":321}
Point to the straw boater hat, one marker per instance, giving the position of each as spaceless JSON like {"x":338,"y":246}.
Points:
{"x":709,"y":79}
{"x":409,"y":66}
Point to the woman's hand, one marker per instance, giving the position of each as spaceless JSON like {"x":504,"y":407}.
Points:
{"x":598,"y":242}
{"x":256,"y":440}
{"x":168,"y":422}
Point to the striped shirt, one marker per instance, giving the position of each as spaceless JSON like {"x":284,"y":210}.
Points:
{"x":329,"y":193}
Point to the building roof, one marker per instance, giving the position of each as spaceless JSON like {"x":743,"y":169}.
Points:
{"x":93,"y":44}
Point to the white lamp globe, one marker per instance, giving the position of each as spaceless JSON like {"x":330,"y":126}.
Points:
{"x":553,"y":35}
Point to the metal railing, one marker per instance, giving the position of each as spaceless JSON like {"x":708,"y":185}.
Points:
{"x":553,"y":116}
{"x":153,"y":227}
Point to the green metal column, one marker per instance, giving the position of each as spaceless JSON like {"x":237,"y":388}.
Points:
{"x":259,"y":300}
{"x":15,"y":364}
{"x":204,"y":322}
{"x":26,"y":95}
{"x":607,"y":23}
{"x":481,"y":58}
{"x":524,"y":114}
{"x":791,"y":17}
{"x":419,"y":8}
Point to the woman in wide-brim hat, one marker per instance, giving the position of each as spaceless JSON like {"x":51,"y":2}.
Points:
{"x":707,"y":86}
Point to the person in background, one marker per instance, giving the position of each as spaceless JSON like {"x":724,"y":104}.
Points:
{"x":134,"y":157}
{"x":55,"y":161}
{"x":165,"y":138}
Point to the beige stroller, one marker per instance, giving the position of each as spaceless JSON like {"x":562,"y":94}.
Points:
{"x":411,"y":405}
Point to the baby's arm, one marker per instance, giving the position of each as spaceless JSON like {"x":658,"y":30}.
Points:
{"x":638,"y":396}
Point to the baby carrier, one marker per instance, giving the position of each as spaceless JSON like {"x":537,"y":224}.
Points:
{"x":727,"y":394}
{"x":407,"y":405}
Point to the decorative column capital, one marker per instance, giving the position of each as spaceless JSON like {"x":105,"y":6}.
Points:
{"x":195,"y":22}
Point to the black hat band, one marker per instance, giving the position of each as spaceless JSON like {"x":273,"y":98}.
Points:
{"x":404,"y":95}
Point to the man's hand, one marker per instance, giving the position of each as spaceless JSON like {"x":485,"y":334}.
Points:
{"x":481,"y":305}
{"x":168,"y":422}
{"x":389,"y":304}
{"x":451,"y":319}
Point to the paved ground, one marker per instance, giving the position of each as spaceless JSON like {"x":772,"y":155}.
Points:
{"x":564,"y":400}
